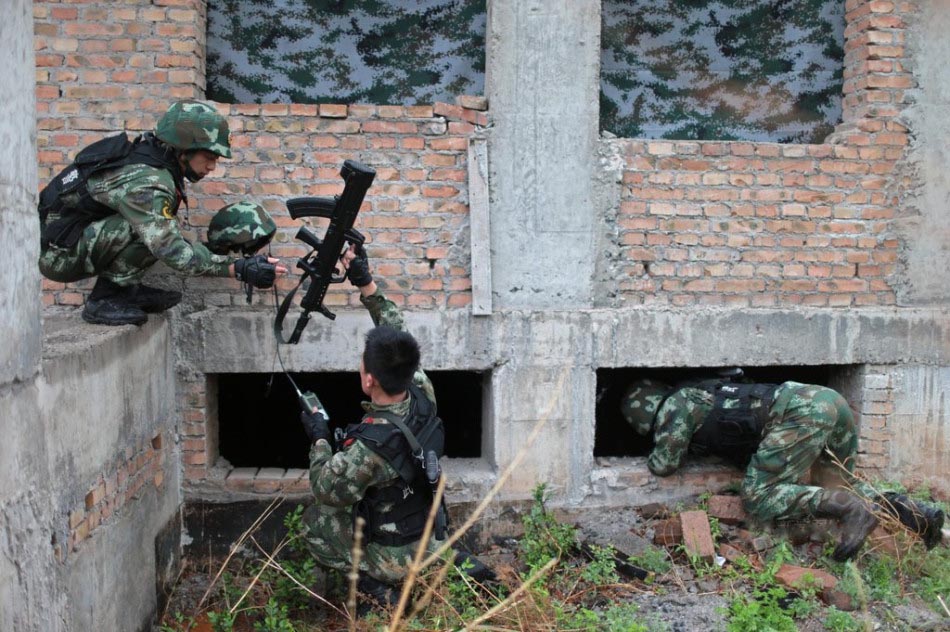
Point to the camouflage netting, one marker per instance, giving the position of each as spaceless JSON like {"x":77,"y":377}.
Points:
{"x":385,"y":52}
{"x":760,"y":70}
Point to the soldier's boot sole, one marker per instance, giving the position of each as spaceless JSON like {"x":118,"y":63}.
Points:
{"x":856,"y":526}
{"x":112,"y":312}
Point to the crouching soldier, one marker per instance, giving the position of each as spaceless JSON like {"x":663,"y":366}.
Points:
{"x":774,"y":432}
{"x":379,"y":470}
{"x":113,"y":213}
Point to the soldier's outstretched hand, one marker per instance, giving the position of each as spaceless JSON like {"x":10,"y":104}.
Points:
{"x":356,"y":263}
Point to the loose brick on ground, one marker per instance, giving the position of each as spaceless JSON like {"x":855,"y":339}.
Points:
{"x":727,"y":509}
{"x":793,"y":577}
{"x":668,"y":532}
{"x":696,"y":535}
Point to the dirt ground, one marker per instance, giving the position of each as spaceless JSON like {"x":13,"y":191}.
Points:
{"x":683,"y":598}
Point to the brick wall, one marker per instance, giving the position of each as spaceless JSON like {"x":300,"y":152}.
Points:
{"x":768,"y":225}
{"x":104,"y":69}
{"x":875,"y":418}
{"x":115,"y":488}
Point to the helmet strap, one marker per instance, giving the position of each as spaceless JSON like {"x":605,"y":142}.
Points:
{"x":190,"y":173}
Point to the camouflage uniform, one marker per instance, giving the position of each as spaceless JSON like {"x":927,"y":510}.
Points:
{"x":803,"y":421}
{"x":340,"y":480}
{"x":143,"y":230}
{"x":121,"y":247}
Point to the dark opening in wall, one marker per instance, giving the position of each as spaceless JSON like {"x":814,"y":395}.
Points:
{"x":614,"y":436}
{"x":259,"y":418}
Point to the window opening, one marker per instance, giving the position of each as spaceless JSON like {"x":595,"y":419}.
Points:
{"x":613,"y":436}
{"x":259,"y":418}
{"x":758,"y":70}
{"x":387,"y":52}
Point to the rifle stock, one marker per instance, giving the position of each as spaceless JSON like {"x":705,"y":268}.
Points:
{"x":320,"y":265}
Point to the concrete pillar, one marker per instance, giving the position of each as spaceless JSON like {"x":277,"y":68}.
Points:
{"x":30,"y":597}
{"x":926,"y":221}
{"x":543,"y":89}
{"x":920,"y":425}
{"x":19,"y":235}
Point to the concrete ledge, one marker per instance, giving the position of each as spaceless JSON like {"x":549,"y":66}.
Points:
{"x":221,"y":341}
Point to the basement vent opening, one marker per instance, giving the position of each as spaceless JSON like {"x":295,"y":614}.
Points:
{"x":614,"y":436}
{"x":259,"y":417}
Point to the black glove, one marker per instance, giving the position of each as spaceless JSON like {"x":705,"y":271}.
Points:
{"x":315,"y":424}
{"x":358,"y":272}
{"x":256,"y":271}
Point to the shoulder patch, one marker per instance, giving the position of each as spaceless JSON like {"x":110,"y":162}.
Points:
{"x":167,"y":210}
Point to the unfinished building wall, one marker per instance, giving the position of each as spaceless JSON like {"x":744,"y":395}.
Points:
{"x":527,"y":248}
{"x":88,"y":478}
{"x":29,"y":599}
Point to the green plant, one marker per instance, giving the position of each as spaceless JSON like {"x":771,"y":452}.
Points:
{"x":275,"y":618}
{"x":803,"y":607}
{"x":222,"y":621}
{"x":619,"y":618}
{"x":934,"y":579}
{"x":781,"y":554}
{"x":544,"y":537}
{"x":182,"y":623}
{"x":878,"y":574}
{"x":838,"y":621}
{"x":652,"y":559}
{"x":602,"y":569}
{"x":760,"y":611}
{"x":297,"y":564}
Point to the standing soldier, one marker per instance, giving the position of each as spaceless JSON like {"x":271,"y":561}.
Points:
{"x":113,"y":213}
{"x":775,"y":432}
{"x":377,"y":473}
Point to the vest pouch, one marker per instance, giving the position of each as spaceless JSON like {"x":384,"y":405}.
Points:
{"x":408,"y":513}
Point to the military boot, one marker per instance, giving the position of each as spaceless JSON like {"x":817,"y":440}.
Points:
{"x":854,"y":517}
{"x":152,"y":300}
{"x":926,"y":521}
{"x":474,"y":568}
{"x":108,"y":305}
{"x":375,"y":595}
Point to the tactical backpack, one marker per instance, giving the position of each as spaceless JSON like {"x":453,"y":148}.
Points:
{"x":71,"y":218}
{"x":412,"y":445}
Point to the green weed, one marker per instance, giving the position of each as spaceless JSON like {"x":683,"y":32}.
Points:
{"x":838,"y":621}
{"x":544,"y":537}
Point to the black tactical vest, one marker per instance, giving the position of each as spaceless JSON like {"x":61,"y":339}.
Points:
{"x":107,"y":153}
{"x":733,"y":433}
{"x":409,"y":499}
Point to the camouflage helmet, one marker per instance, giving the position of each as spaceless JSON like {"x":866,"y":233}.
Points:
{"x":641,"y":401}
{"x":189,"y":125}
{"x":243,"y":226}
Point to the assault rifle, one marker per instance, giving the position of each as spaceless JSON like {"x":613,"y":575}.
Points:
{"x":320,"y":264}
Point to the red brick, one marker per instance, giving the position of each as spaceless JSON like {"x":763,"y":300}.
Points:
{"x":697,"y":537}
{"x":668,"y":532}
{"x":76,"y":517}
{"x":792,"y":577}
{"x":727,"y":509}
